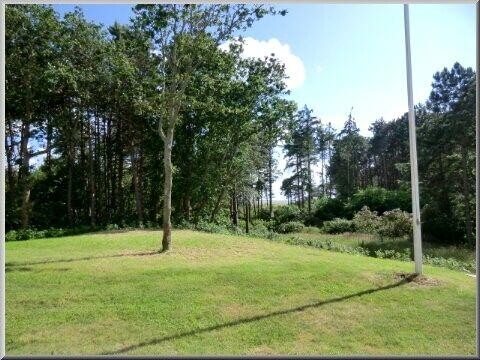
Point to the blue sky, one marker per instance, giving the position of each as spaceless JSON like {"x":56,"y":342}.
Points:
{"x":343,"y":56}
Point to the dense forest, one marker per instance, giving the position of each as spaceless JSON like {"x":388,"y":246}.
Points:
{"x":152,"y":123}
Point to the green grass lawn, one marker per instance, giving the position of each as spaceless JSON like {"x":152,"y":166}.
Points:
{"x":111,"y":293}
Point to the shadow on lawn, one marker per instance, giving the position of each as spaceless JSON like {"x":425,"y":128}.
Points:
{"x":28,"y":269}
{"x":21,"y":266}
{"x":408,"y":278}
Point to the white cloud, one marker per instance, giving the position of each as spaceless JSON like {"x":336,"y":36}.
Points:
{"x":294,"y":68}
{"x":319,"y":69}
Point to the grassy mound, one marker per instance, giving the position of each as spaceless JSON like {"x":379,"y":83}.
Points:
{"x":113,"y":293}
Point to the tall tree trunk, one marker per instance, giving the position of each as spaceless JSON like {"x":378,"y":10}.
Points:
{"x":299,"y":197}
{"x":119,"y":201}
{"x":466,"y":196}
{"x":24,"y":173}
{"x":231,"y":208}
{"x":270,"y":180}
{"x":235,"y":207}
{"x":309,"y":184}
{"x":111,"y":174}
{"x":48,"y":159}
{"x":330,"y":187}
{"x":247,"y":220}
{"x":91,"y":180}
{"x":136,"y":170}
{"x":323,"y":173}
{"x":9,"y":151}
{"x":98,"y":168}
{"x":167,"y":190}
{"x":302,"y":187}
{"x":120,"y":159}
{"x":216,"y":208}
{"x":69,"y":190}
{"x":249,"y":207}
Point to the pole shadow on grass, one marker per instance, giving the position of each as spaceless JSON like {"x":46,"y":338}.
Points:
{"x":55,"y":261}
{"x":406,"y":279}
{"x":29,"y":269}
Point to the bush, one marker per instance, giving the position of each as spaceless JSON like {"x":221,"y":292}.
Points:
{"x":223,"y":218}
{"x":311,"y":230}
{"x":290,"y":227}
{"x":27,"y":234}
{"x":11,"y":235}
{"x":395,"y":223}
{"x":111,"y":227}
{"x":210,"y":227}
{"x":328,"y":209}
{"x":184,"y":225}
{"x":438,"y":227}
{"x":366,"y":221}
{"x":324,"y":244}
{"x":263,"y":214}
{"x":287,"y":213}
{"x":54,"y":232}
{"x":338,"y":226}
{"x":264,"y":224}
{"x":380,"y":199}
{"x":259,"y":230}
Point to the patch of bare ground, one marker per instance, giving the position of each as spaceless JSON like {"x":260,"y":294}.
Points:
{"x":421,"y":280}
{"x":144,"y":253}
{"x":262,"y":350}
{"x":235,"y":311}
{"x":207,"y":254}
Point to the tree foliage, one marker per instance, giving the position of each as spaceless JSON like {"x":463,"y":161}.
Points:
{"x":152,"y":121}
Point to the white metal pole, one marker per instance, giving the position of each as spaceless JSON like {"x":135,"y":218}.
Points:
{"x":417,"y":230}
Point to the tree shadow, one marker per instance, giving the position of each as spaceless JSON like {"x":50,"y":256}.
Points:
{"x":408,"y":278}
{"x":15,"y":265}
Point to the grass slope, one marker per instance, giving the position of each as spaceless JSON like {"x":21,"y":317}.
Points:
{"x":217,"y":294}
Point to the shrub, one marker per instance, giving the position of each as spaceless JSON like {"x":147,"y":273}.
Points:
{"x":290,"y":227}
{"x":324,"y":244}
{"x":54,"y":232}
{"x":210,"y":227}
{"x":11,"y":235}
{"x":328,"y":209}
{"x":260,"y":230}
{"x":338,"y":226}
{"x":380,"y":199}
{"x":395,"y":223}
{"x":287,"y":213}
{"x":223,"y":218}
{"x":260,"y":222}
{"x":311,"y":230}
{"x":111,"y":227}
{"x":438,"y":227}
{"x":263,"y":214}
{"x":27,"y":234}
{"x":184,"y":225}
{"x":366,"y":221}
